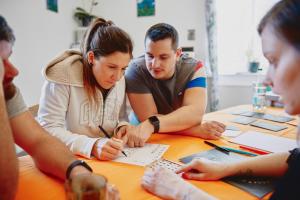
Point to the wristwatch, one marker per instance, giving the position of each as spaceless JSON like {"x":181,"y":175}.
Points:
{"x":155,"y":122}
{"x":76,"y":163}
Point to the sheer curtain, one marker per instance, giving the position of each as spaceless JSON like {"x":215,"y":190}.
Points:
{"x":212,"y":58}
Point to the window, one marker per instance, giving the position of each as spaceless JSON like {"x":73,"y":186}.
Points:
{"x":237,"y":38}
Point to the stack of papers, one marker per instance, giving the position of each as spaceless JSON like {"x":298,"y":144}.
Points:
{"x":265,"y":142}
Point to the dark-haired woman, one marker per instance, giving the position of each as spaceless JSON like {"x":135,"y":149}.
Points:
{"x":85,"y":90}
{"x":280,"y":34}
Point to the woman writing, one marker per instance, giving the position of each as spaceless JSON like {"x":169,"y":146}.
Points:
{"x":85,"y":90}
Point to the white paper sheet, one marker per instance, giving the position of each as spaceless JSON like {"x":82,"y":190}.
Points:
{"x":142,"y":156}
{"x":265,"y":141}
{"x":231,"y":133}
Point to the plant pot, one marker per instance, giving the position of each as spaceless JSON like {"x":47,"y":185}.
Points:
{"x":85,"y":21}
{"x":253,"y":67}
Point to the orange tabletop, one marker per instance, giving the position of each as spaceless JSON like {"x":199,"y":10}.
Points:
{"x":33,"y":184}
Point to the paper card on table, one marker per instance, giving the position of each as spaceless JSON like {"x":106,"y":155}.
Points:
{"x":268,"y":126}
{"x":247,"y":114}
{"x":265,"y":142}
{"x":214,"y":155}
{"x":167,"y":164}
{"x":232,"y":128}
{"x":243,"y":120}
{"x":237,"y":112}
{"x":142,"y":156}
{"x":256,"y":115}
{"x":277,"y":118}
{"x":231,"y":133}
{"x":294,"y":123}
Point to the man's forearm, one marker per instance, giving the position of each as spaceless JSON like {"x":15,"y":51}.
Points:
{"x":8,"y":160}
{"x":183,"y":118}
{"x":193,"y":131}
{"x":56,"y":160}
{"x":49,"y":153}
{"x":52,"y":156}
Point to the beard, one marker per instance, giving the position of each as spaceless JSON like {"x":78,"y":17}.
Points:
{"x":9,"y":91}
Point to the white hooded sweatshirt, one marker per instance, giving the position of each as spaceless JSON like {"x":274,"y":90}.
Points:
{"x":65,"y":111}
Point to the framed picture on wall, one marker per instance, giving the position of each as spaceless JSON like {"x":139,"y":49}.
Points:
{"x":145,"y":8}
{"x":52,"y":5}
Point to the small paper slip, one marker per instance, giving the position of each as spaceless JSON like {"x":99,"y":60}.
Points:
{"x":167,"y":164}
{"x":243,"y":120}
{"x":233,"y":128}
{"x":265,"y":142}
{"x":231,"y":133}
{"x":294,"y":123}
{"x":236,"y":112}
{"x":142,"y":156}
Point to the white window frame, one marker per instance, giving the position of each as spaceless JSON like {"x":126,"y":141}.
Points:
{"x":237,"y":37}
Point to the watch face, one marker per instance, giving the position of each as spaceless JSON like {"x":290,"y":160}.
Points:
{"x":153,"y":119}
{"x":155,"y":122}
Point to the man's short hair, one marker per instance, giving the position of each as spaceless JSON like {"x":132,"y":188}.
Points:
{"x":6,"y":32}
{"x":163,"y":31}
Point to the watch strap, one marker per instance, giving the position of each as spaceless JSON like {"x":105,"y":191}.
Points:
{"x":155,"y":122}
{"x":77,"y":163}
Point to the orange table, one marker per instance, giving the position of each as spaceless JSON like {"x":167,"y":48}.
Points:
{"x":33,"y":184}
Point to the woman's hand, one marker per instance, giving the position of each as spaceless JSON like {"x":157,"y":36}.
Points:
{"x":204,"y":169}
{"x":169,"y":185}
{"x":108,"y":149}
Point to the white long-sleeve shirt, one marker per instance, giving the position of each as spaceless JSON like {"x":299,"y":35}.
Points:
{"x":66,"y":112}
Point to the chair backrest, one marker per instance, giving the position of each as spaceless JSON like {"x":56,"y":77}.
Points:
{"x":34,"y":110}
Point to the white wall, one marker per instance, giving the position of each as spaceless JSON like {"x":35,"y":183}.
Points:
{"x":237,"y":89}
{"x":183,"y":15}
{"x":40,"y":35}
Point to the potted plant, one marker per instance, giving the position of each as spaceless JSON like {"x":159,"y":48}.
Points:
{"x":253,"y":63}
{"x":84,"y":17}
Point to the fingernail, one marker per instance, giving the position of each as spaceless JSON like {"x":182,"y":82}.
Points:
{"x":184,"y":175}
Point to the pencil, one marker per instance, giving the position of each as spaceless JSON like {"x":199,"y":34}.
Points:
{"x":240,"y":151}
{"x":260,"y":152}
{"x":217,"y":147}
{"x":108,"y":136}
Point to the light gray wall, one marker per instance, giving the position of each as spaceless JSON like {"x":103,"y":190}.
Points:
{"x":40,"y":35}
{"x":232,"y":95}
{"x":183,"y":15}
{"x":237,"y":89}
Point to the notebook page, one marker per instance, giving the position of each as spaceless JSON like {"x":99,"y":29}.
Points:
{"x":264,"y":141}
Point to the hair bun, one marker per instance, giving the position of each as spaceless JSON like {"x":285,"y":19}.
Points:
{"x":102,"y":22}
{"x":109,"y":23}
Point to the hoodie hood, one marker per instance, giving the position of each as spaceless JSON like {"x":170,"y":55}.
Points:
{"x":66,"y":69}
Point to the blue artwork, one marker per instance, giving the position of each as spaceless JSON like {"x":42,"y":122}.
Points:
{"x":52,"y":5}
{"x":145,"y":8}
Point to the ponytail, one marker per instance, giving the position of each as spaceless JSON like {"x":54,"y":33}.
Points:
{"x":102,"y":38}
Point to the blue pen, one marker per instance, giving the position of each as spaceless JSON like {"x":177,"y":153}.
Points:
{"x":240,"y":151}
